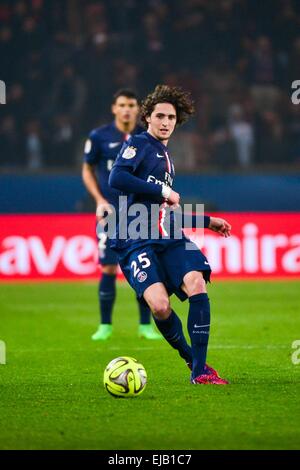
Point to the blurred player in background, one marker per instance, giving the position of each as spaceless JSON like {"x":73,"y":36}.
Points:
{"x":101,"y":150}
{"x":158,"y":267}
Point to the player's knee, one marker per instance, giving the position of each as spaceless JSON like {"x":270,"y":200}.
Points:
{"x":195,"y":283}
{"x":160,"y":307}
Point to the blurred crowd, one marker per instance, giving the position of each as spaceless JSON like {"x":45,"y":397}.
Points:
{"x":63,"y":60}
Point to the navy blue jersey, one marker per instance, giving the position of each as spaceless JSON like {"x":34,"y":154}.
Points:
{"x":148,"y":160}
{"x":142,"y":170}
{"x":101,"y":150}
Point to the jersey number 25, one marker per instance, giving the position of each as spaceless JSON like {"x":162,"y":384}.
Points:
{"x":143,"y":262}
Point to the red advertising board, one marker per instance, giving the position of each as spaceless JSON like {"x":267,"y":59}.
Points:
{"x":64,"y":246}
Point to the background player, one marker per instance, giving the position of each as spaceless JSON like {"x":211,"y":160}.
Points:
{"x":157,"y":268}
{"x":100,"y":152}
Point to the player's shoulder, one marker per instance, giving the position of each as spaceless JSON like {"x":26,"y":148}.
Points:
{"x":136,"y":145}
{"x":139,"y":141}
{"x":96,"y":138}
{"x":100,"y":132}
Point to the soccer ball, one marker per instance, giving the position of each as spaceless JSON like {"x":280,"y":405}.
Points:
{"x":125,"y":377}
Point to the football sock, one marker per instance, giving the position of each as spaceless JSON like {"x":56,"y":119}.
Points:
{"x":145,"y":312}
{"x":171,"y":329}
{"x":107,"y":296}
{"x":198,"y":327}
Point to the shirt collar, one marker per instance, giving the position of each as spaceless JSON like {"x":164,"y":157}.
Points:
{"x":116,"y":129}
{"x":156,"y":141}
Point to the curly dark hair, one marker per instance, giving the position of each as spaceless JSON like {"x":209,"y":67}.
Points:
{"x":180,"y":99}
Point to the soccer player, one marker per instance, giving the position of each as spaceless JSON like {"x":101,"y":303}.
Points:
{"x":100,"y":152}
{"x":156,"y":268}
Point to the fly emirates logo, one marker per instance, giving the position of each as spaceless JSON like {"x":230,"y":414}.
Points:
{"x":168,"y":180}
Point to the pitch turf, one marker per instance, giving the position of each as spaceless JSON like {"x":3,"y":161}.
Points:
{"x":51,"y":393}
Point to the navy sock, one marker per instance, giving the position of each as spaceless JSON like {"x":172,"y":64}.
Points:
{"x":107,"y":295}
{"x":145,"y":312}
{"x":198,"y":327}
{"x":171,"y":329}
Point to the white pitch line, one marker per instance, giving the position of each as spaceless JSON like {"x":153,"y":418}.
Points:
{"x":220,"y":346}
{"x":153,"y":348}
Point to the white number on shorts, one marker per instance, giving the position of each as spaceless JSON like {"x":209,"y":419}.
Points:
{"x":136,"y":270}
{"x":143,"y":259}
{"x":144,"y":262}
{"x":102,"y":241}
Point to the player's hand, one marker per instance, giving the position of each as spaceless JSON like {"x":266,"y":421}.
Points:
{"x":220,"y":226}
{"x":173,"y":199}
{"x":103,"y":208}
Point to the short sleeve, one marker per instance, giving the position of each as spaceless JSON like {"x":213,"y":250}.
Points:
{"x":92,"y":151}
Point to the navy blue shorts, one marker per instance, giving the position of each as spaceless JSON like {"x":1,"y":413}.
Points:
{"x":168,"y":264}
{"x":106,"y":255}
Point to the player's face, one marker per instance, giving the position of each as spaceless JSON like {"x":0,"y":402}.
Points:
{"x":162,"y":121}
{"x":125,"y":110}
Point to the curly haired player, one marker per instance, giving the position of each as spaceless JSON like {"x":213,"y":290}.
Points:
{"x":157,"y":267}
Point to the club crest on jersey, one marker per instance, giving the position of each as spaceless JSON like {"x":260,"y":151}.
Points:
{"x":129,"y":153}
{"x":88,"y":146}
{"x":142,"y":276}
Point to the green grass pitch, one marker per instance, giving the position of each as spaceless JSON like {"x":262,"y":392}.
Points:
{"x":51,"y":392}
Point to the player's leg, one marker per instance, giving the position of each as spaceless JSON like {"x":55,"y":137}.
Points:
{"x":144,"y":273}
{"x":107,"y":286}
{"x":194,"y":286}
{"x":166,"y":319}
{"x":146,"y":329}
{"x":187,"y":271}
{"x":198,"y":319}
{"x":106,"y":297}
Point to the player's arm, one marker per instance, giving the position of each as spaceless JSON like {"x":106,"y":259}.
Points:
{"x":215,"y":224}
{"x":91,"y":183}
{"x":221,"y":226}
{"x":91,"y":158}
{"x":122,"y":178}
{"x":197,"y":221}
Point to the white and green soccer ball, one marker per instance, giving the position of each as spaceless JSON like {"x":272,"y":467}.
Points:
{"x":125,"y":377}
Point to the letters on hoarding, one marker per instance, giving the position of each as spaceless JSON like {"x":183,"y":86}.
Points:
{"x":65,"y":246}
